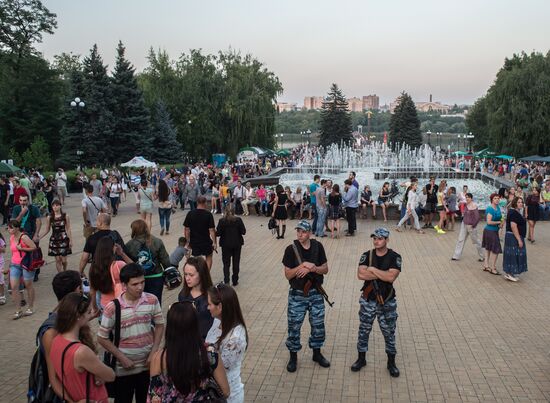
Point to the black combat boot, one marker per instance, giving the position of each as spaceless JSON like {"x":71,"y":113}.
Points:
{"x":319,"y":359}
{"x":394,"y":371}
{"x":278,"y":232}
{"x":284,"y":230}
{"x":360,"y":363}
{"x":293,"y":362}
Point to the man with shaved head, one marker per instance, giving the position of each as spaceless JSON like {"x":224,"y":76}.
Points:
{"x":103,"y":229}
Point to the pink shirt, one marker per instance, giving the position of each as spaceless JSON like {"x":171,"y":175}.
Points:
{"x":115,"y":268}
{"x":74,"y":381}
{"x":260,"y":193}
{"x":16,"y":255}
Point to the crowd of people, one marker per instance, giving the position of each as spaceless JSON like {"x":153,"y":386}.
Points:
{"x":204,"y":333}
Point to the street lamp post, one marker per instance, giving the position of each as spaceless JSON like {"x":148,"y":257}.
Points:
{"x":308,"y":132}
{"x":78,"y":104}
{"x":282,"y":144}
{"x":429,"y":133}
{"x":458,"y":143}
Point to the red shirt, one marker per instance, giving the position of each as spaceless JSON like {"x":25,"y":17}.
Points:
{"x":74,"y":381}
{"x":17,"y":193}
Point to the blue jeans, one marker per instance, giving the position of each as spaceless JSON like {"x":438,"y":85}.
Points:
{"x":314,"y":212}
{"x":192,"y":204}
{"x":164,"y":216}
{"x":321,"y":217}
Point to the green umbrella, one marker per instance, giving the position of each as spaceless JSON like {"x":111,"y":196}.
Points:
{"x":283,"y":153}
{"x":504,"y":157}
{"x":461,"y":153}
{"x":6,"y":169}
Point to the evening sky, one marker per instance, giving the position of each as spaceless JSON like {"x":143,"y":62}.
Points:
{"x":449,"y":49}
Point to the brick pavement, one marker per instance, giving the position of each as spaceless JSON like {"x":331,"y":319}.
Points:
{"x":463,"y":335}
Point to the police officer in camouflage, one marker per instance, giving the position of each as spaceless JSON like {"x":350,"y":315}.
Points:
{"x":378,"y":268}
{"x":305,"y":264}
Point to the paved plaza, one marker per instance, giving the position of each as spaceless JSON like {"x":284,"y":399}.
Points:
{"x":462,"y":334}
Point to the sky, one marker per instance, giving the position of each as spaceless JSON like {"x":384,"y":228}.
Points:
{"x":452,"y":50}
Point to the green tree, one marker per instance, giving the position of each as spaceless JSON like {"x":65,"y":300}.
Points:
{"x":91,"y":128}
{"x":130,"y":115}
{"x":30,"y":103}
{"x":23,"y":23}
{"x":513,"y":117}
{"x":335,"y":122}
{"x":37,"y":155}
{"x":405,"y":125}
{"x":476,"y":122}
{"x":250,"y":93}
{"x":166,"y":148}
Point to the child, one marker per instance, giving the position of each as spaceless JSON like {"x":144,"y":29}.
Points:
{"x":451,"y":208}
{"x":3,"y":270}
{"x":179,"y":253}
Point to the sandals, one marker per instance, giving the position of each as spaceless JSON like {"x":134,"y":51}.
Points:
{"x":28,"y":312}
{"x":17,"y":315}
{"x":492,"y":271}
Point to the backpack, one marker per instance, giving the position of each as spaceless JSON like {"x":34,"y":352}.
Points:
{"x":145,"y":259}
{"x":39,"y":383}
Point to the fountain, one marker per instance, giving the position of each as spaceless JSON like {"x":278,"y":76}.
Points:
{"x":375,"y":163}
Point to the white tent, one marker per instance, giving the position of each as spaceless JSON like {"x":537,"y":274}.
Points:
{"x":138,"y":162}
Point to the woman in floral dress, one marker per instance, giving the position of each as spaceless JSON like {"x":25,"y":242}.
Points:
{"x":61,"y":239}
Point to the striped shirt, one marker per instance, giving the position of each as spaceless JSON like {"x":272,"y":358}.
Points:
{"x":136,"y":332}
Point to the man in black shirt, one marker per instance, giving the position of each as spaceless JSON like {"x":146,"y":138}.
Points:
{"x":305,"y":264}
{"x":201,"y":231}
{"x":103,"y":229}
{"x":378,"y":272}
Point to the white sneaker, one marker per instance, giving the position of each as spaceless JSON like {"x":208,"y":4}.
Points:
{"x":2,"y":300}
{"x":510,"y":277}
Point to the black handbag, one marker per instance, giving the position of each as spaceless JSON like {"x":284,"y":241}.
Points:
{"x":271,"y":224}
{"x":108,"y":358}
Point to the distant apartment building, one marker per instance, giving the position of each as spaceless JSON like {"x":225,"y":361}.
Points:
{"x":371,"y":102}
{"x":355,"y":104}
{"x":286,"y":106}
{"x":313,"y":102}
{"x":424,"y":106}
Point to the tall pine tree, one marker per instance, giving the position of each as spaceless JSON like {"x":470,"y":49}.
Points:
{"x":131,"y":117}
{"x":166,"y":145}
{"x":404,"y":124}
{"x":91,"y":128}
{"x":335,"y":123}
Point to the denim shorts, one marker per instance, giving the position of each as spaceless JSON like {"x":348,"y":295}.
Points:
{"x":16,"y":271}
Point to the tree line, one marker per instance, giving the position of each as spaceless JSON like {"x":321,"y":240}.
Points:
{"x":302,"y":120}
{"x":193,"y":106}
{"x":513,"y":117}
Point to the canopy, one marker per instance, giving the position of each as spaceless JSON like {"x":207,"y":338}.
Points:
{"x":504,"y":157}
{"x":485,"y":153}
{"x":532,"y":158}
{"x":6,"y":169}
{"x":138,"y":162}
{"x":545,"y":159}
{"x":462,"y":153}
{"x":283,"y":153}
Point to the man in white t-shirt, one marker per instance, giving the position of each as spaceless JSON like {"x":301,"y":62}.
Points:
{"x":61,"y":185}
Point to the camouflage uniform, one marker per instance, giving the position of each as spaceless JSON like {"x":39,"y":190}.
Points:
{"x":298,"y":305}
{"x":369,"y":308}
{"x":387,"y":319}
